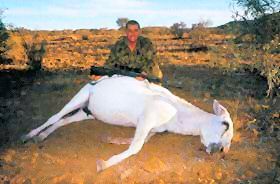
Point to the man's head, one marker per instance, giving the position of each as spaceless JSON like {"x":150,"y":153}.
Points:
{"x":132,"y":30}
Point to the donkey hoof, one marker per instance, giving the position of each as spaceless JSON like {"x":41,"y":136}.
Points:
{"x":37,"y":139}
{"x":24,"y":139}
{"x":100,"y":165}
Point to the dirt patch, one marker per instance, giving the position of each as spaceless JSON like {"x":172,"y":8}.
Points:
{"x":70,"y":153}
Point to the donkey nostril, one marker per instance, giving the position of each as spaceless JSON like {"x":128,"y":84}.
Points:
{"x":214,"y":147}
{"x":222,"y":149}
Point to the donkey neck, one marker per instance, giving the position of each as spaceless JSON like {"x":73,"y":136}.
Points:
{"x":190,"y":119}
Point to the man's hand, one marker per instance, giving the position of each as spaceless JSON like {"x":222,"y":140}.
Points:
{"x":140,"y":78}
{"x":95,"y":77}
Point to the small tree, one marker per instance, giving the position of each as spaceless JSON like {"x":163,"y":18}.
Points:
{"x":261,"y":18}
{"x":122,"y":22}
{"x":178,"y":29}
{"x":199,"y":33}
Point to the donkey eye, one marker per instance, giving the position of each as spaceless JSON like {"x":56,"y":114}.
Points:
{"x":226,"y":124}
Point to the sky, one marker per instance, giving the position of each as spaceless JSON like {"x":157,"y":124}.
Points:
{"x":95,"y":14}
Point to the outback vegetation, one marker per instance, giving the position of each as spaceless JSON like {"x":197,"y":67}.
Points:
{"x":4,"y":35}
{"x":236,"y":63}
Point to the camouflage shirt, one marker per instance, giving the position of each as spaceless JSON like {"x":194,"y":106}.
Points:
{"x":141,"y":59}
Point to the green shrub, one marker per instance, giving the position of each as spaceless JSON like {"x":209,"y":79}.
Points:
{"x":262,"y":36}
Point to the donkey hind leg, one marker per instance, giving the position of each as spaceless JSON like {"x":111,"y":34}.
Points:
{"x":78,"y":101}
{"x":78,"y":116}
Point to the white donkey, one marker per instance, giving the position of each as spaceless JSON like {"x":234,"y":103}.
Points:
{"x":125,"y":101}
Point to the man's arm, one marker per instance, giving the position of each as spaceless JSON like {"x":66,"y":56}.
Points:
{"x":110,"y":62}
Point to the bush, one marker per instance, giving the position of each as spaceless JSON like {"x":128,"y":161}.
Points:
{"x":199,"y":34}
{"x":269,"y":69}
{"x":35,"y":52}
{"x":263,"y":62}
{"x":178,"y":29}
{"x":3,"y":38}
{"x":85,"y":37}
{"x":263,"y":38}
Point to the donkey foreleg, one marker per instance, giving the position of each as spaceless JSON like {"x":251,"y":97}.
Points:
{"x":120,"y":140}
{"x":135,"y":146}
{"x":157,"y":113}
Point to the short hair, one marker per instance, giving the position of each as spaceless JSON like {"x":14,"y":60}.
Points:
{"x":132,"y":22}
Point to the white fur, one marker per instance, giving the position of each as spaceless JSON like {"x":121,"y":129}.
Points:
{"x":150,"y":108}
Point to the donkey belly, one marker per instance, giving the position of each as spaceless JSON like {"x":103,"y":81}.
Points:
{"x":117,"y":102}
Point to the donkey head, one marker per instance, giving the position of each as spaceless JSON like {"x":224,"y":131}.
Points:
{"x":216,"y":135}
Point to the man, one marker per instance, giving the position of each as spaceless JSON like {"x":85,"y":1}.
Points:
{"x":133,"y":52}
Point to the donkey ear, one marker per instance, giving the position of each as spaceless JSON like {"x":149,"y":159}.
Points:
{"x":219,"y":110}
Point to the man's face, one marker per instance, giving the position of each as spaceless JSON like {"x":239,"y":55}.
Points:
{"x":132,"y":33}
